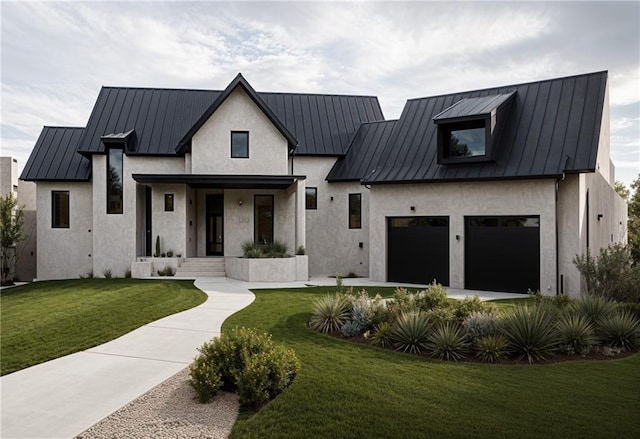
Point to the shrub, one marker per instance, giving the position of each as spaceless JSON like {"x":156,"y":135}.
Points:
{"x":404,"y":301}
{"x":107,"y":273}
{"x":620,"y":330}
{"x":351,"y":329}
{"x":245,"y":361}
{"x":127,"y":274}
{"x":594,"y":308}
{"x":442,"y":315}
{"x":611,"y":274}
{"x":301,"y":250}
{"x":169,"y":253}
{"x":382,"y":335}
{"x":481,"y":324}
{"x":330,"y":312}
{"x":166,"y":271}
{"x":492,"y":348}
{"x":632,"y":308}
{"x":530,"y":332}
{"x":163,"y":255}
{"x":276,"y":249}
{"x":448,"y":342}
{"x":434,"y":296}
{"x":410,"y":331}
{"x":366,"y":311}
{"x":462,"y":308}
{"x":575,"y":334}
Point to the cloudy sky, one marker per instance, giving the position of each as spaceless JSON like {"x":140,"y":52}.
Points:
{"x":57,"y":55}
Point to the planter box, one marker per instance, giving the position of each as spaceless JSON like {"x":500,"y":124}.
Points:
{"x":147,"y":267}
{"x":295,"y":268}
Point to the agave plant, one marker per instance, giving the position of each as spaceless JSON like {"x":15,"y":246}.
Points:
{"x":620,"y":330}
{"x":531,"y":332}
{"x":448,"y":342}
{"x":409,"y":332}
{"x":492,"y":348}
{"x":594,"y":308}
{"x":382,"y":335}
{"x":575,"y":333}
{"x":330,"y":312}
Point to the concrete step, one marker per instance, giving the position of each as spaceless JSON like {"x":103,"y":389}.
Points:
{"x":201,"y":267}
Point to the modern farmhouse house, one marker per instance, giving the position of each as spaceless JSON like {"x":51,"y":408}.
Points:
{"x":494,"y":189}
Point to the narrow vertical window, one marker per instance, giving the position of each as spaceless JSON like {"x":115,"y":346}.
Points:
{"x":168,"y":202}
{"x":114,"y":181}
{"x":60,"y":209}
{"x":355,"y":211}
{"x":263,"y":219}
{"x":311,"y":198}
{"x":240,"y":144}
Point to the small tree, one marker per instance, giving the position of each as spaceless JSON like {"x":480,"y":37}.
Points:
{"x":11,"y":235}
{"x":633,"y":225}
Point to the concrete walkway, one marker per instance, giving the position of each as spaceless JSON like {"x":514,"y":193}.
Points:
{"x":63,"y":397}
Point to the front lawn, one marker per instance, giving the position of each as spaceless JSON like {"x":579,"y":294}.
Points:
{"x":46,"y":320}
{"x":348,"y":390}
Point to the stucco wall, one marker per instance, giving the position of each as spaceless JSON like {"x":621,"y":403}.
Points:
{"x":333,"y":247}
{"x":65,"y":253}
{"x":115,"y":238}
{"x":457,"y":200}
{"x":211,"y":145}
{"x":26,"y":265}
{"x":170,"y":226}
{"x":8,"y":176}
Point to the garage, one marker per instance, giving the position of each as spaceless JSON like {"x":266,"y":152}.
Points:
{"x":418,"y":249}
{"x":502,"y":253}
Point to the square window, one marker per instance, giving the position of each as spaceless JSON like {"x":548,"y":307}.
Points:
{"x":240,"y":144}
{"x":311,"y":198}
{"x":168,"y":202}
{"x":60,"y":209}
{"x":355,"y":211}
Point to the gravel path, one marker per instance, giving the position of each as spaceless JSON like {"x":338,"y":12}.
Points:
{"x":170,"y":411}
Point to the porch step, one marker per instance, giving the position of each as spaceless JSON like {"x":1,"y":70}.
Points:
{"x":201,"y":267}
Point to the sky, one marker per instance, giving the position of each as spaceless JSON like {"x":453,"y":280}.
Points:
{"x":55,"y":56}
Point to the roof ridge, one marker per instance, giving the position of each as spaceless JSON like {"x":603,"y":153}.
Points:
{"x":64,"y":127}
{"x":159,"y":88}
{"x":508,"y":85}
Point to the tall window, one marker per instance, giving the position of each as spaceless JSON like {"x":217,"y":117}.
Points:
{"x":240,"y":144}
{"x":311,"y":197}
{"x":263,"y":220}
{"x":114,"y":181}
{"x":60,"y":209}
{"x":168,"y":202}
{"x":355,"y":211}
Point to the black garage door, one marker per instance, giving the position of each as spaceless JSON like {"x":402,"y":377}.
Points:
{"x":418,"y":250}
{"x":502,"y":253}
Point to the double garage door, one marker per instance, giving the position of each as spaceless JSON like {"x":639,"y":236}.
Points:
{"x":501,"y":253}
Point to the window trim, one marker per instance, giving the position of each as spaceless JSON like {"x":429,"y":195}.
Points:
{"x":169,"y":202}
{"x":352,"y":196}
{"x":231,"y":145}
{"x":54,"y":204}
{"x":315,"y":199}
{"x":108,"y":178}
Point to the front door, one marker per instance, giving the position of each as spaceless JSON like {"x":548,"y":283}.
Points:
{"x":215,"y":225}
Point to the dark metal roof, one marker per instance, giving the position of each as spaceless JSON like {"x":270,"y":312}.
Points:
{"x":238,"y":81}
{"x":364,"y":152}
{"x":54,"y":157}
{"x":200,"y":181}
{"x":473,"y":107}
{"x":553,"y":127}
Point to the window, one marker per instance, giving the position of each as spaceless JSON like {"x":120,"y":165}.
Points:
{"x":60,"y":209}
{"x":114,"y":180}
{"x":311,"y":198}
{"x":263,"y":219}
{"x":464,"y":140}
{"x":168,"y":202}
{"x":355,"y":211}
{"x":240,"y":144}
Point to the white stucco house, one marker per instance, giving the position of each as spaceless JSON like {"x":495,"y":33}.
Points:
{"x":494,"y":189}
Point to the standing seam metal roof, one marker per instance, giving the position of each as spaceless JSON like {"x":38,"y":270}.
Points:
{"x":553,"y":128}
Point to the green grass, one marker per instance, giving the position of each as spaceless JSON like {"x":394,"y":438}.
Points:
{"x":346,"y":390}
{"x":46,"y":320}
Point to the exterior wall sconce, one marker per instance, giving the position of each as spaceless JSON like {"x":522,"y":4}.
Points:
{"x":457,"y":237}
{"x":240,"y":202}
{"x":413,"y":208}
{"x":331,"y":198}
{"x":600,"y":216}
{"x":360,"y":244}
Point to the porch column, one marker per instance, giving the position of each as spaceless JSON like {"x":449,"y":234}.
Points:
{"x":300,"y":217}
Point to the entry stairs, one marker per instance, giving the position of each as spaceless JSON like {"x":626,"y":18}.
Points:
{"x":201,"y":267}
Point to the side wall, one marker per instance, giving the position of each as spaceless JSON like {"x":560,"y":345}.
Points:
{"x":457,"y":200}
{"x":333,"y":247}
{"x":65,"y":253}
{"x":26,"y":266}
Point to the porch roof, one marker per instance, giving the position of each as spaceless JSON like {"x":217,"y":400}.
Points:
{"x":208,"y":181}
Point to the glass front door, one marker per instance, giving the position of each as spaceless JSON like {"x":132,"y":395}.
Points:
{"x":215,"y":225}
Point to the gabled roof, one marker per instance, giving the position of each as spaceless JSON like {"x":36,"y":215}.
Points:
{"x":55,"y":157}
{"x":364,"y":152}
{"x":553,"y":128}
{"x":473,"y":107}
{"x":238,"y":81}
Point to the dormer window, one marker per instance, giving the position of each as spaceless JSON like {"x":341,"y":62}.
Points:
{"x":467,"y":130}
